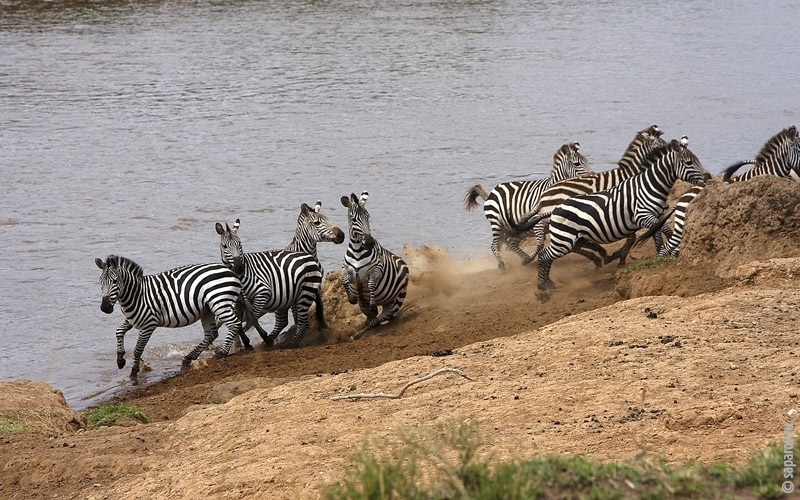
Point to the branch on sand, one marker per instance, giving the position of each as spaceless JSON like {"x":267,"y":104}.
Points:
{"x":405,"y":387}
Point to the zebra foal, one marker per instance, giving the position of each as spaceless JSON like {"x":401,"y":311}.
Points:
{"x":617,"y":213}
{"x":172,"y":299}
{"x":371,"y":275}
{"x":273,"y":281}
{"x":508,"y":202}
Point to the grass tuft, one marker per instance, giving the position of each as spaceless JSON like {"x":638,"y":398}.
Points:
{"x":452,"y":465}
{"x":107,"y":413}
{"x":9,"y":426}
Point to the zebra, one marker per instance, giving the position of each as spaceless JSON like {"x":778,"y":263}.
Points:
{"x":509,"y":201}
{"x":631,"y":163}
{"x":272,"y":281}
{"x":616,"y":213}
{"x":172,"y":299}
{"x":780,"y":156}
{"x":371,"y":275}
{"x":672,"y":247}
{"x":313,"y":227}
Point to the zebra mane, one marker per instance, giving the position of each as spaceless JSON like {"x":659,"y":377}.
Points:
{"x":774,"y":143}
{"x":127,"y":264}
{"x":654,"y":155}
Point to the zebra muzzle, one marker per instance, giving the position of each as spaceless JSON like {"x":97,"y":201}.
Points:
{"x":107,"y":306}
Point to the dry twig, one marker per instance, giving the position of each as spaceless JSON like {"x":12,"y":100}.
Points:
{"x":405,"y":387}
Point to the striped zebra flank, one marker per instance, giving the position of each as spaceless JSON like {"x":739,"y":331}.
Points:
{"x":314,"y":227}
{"x":780,"y":156}
{"x":631,"y":163}
{"x":508,"y":202}
{"x":171,"y":299}
{"x":272,"y":281}
{"x":371,"y":275}
{"x":617,"y":213}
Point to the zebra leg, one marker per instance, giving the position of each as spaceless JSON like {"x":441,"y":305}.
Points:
{"x":234,"y":330}
{"x":141,"y":342}
{"x":243,"y":309}
{"x":281,"y":320}
{"x":348,"y":276}
{"x":300,"y":314}
{"x":497,"y":238}
{"x":622,"y":253}
{"x":210,"y":333}
{"x":545,"y":284}
{"x":585,"y":247}
{"x":513,"y":245}
{"x":540,"y":231}
{"x":121,"y":331}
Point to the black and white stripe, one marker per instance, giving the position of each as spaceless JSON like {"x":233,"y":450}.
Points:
{"x":172,"y":299}
{"x":508,"y":202}
{"x":371,"y":275}
{"x":273,"y":281}
{"x":314,"y":227}
{"x":631,"y":163}
{"x":617,"y":213}
{"x":780,"y":156}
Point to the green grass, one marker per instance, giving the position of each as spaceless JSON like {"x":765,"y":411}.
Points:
{"x":452,"y":465}
{"x":9,"y":426}
{"x":640,"y":264}
{"x":108,"y":413}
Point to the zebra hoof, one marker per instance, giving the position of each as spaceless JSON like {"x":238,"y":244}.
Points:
{"x":120,"y":362}
{"x":220,"y":353}
{"x":358,"y":335}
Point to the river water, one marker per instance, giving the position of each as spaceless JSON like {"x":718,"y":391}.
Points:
{"x":131,"y":127}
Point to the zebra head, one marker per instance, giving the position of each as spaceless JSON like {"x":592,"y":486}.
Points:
{"x":109,"y":282}
{"x":568,"y":162}
{"x":313,"y":225}
{"x":688,"y":167}
{"x":230,"y":247}
{"x":357,"y":218}
{"x":644,"y":142}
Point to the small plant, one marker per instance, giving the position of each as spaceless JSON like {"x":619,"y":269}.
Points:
{"x":640,"y":264}
{"x":9,"y":426}
{"x":108,"y":413}
{"x":446,"y":466}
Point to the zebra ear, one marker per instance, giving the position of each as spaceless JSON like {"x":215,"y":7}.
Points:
{"x":100,"y":263}
{"x":219,"y":228}
{"x":318,"y":206}
{"x":346,"y":201}
{"x":235,"y":227}
{"x":364,"y":197}
{"x":304,"y":209}
{"x":111,"y":261}
{"x":684,"y":141}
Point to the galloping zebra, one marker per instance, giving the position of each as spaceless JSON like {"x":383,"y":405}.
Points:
{"x":273,"y":281}
{"x":615,"y":214}
{"x":509,"y":201}
{"x":171,"y":299}
{"x":371,"y":275}
{"x":780,"y":156}
{"x":314,"y":227}
{"x":631,"y":163}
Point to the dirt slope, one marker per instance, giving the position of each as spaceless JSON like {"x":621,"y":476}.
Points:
{"x":707,"y":370}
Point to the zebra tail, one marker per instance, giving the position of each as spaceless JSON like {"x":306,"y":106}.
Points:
{"x":473,"y":193}
{"x":319,"y":311}
{"x":532,"y":221}
{"x":656,"y":228}
{"x":728,"y":172}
